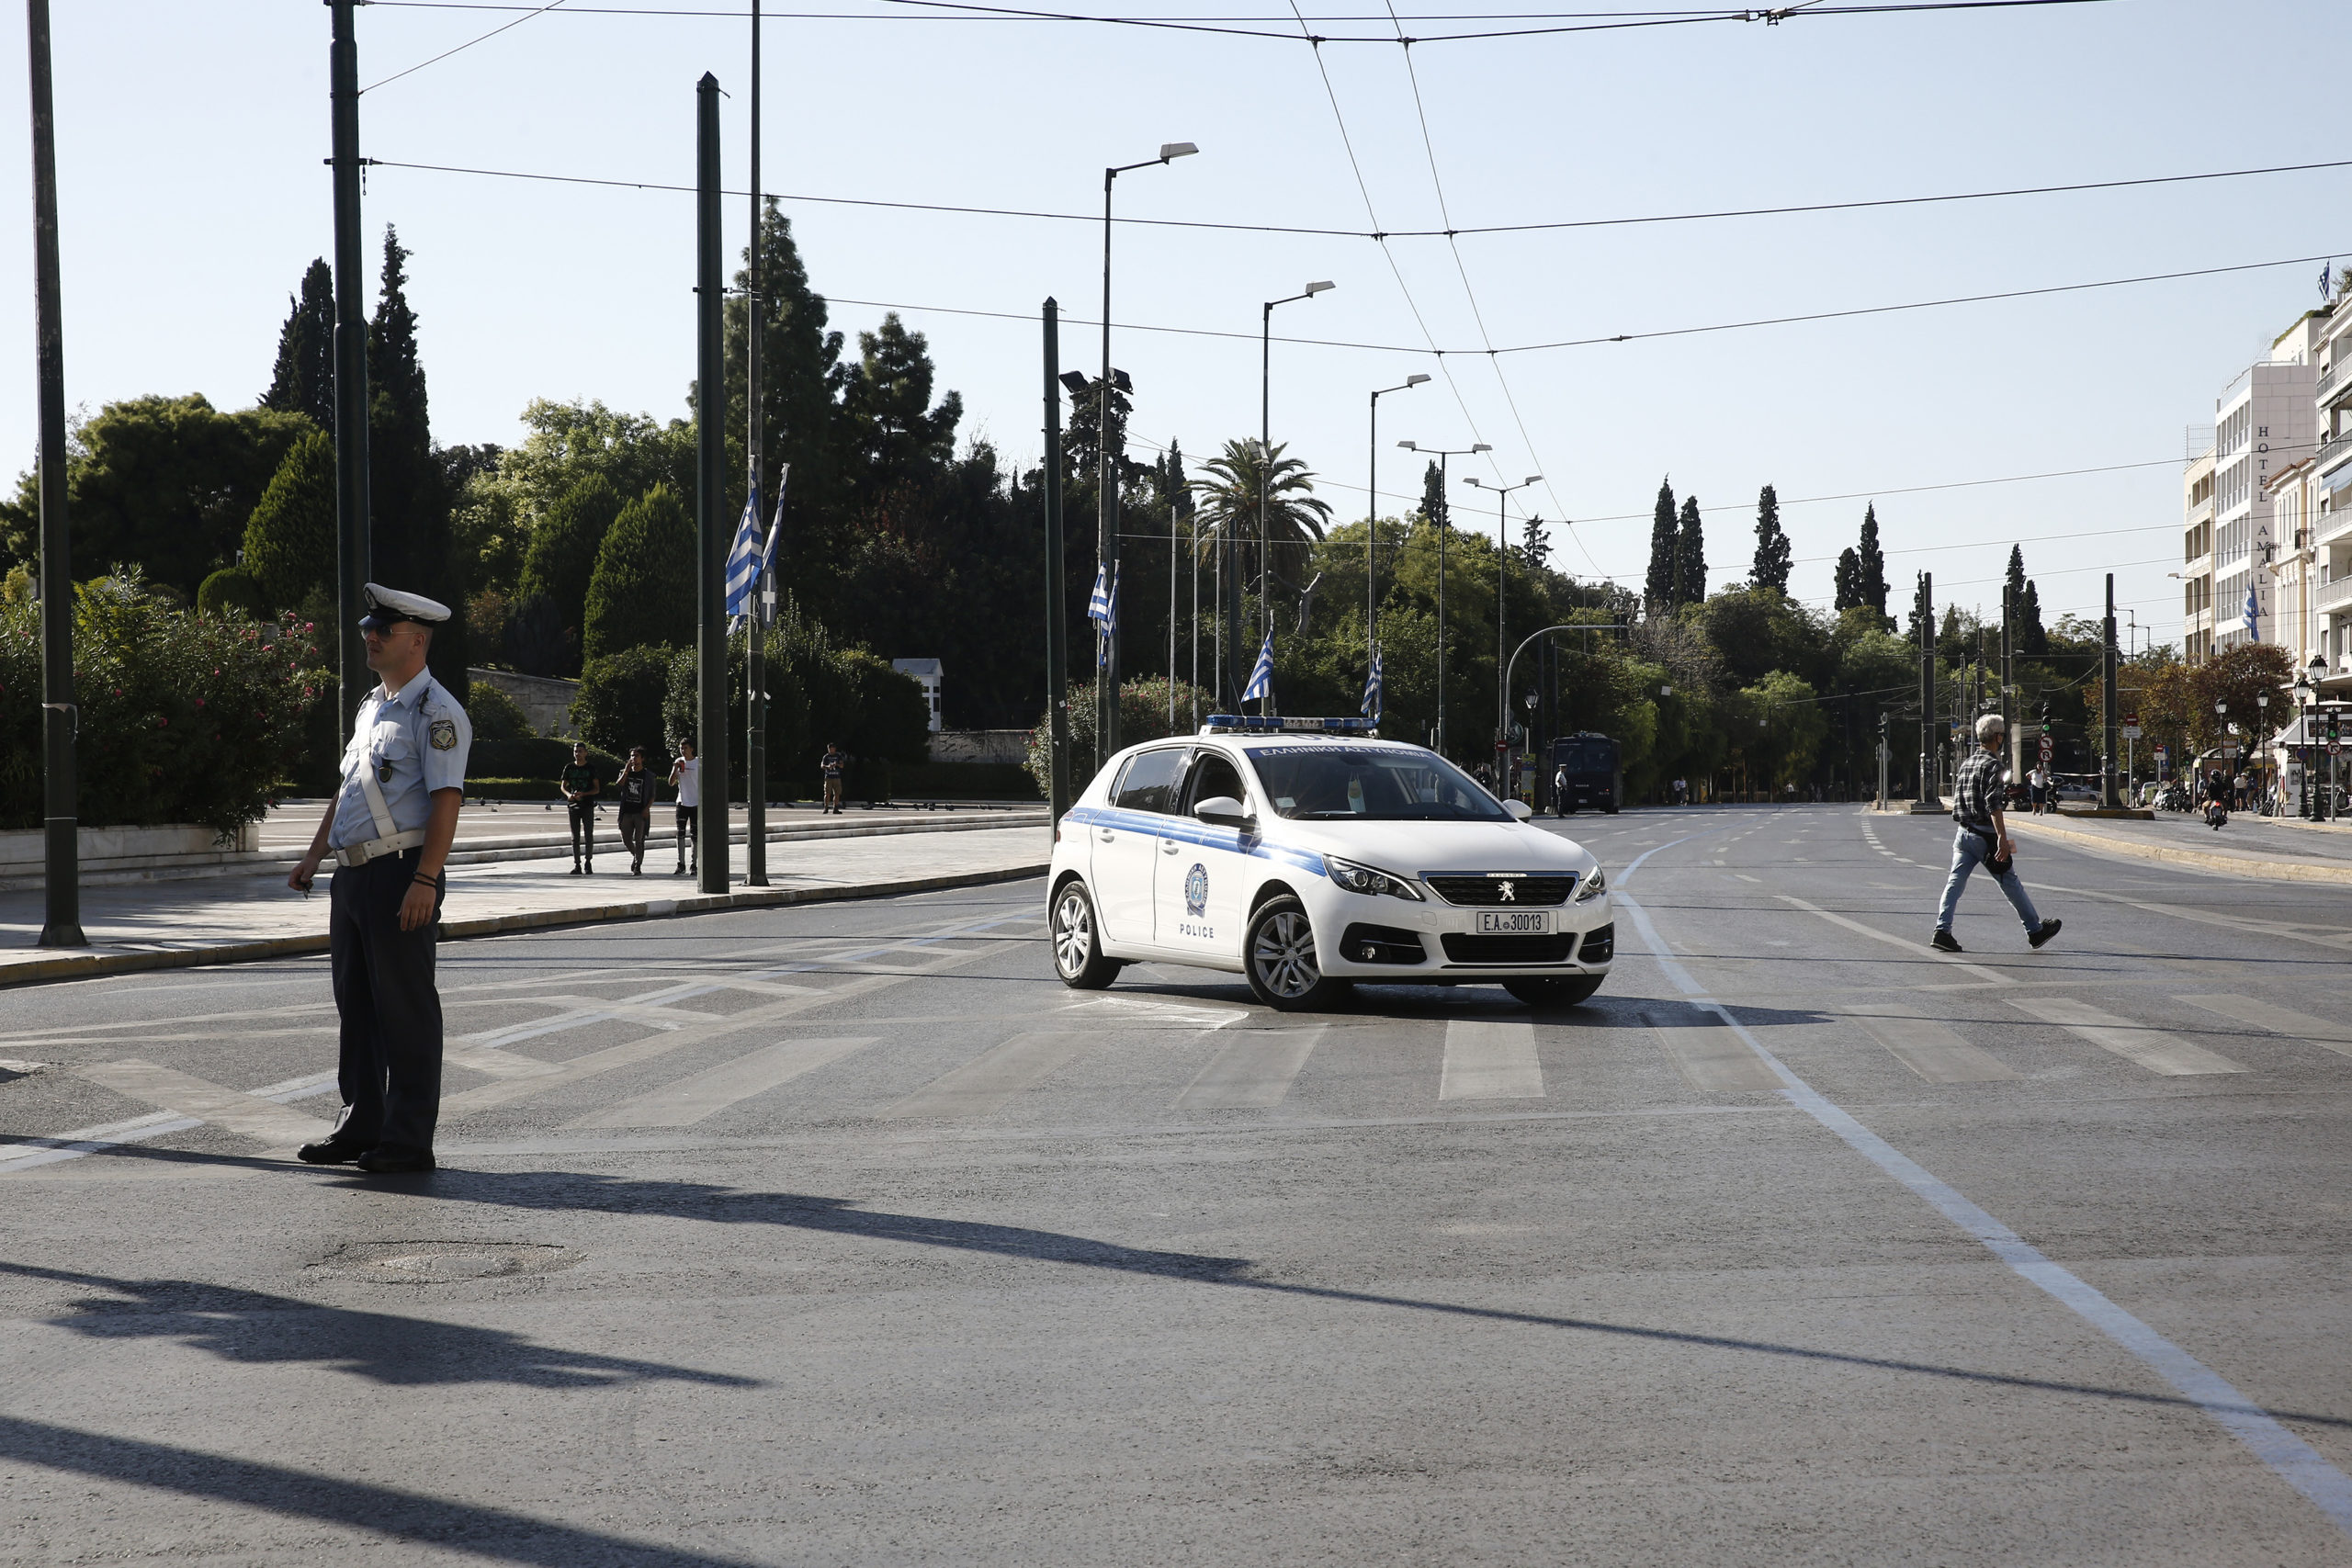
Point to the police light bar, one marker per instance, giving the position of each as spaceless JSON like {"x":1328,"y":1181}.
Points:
{"x":1251,"y":724}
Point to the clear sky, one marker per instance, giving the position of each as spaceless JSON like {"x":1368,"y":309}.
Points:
{"x":191,"y":140}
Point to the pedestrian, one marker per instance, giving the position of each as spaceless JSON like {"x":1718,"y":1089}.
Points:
{"x":1983,"y":839}
{"x":2238,"y":790}
{"x":1560,"y":791}
{"x":390,"y":828}
{"x":830,"y":765}
{"x":635,"y":790}
{"x":2037,"y":784}
{"x":685,"y":777}
{"x":580,"y":787}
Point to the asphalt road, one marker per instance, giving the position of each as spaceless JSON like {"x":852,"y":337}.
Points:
{"x":843,"y":1235}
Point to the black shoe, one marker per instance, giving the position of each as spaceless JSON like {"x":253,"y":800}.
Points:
{"x":1943,"y":942}
{"x":330,"y":1150}
{"x":394,"y":1159}
{"x":2049,"y":929}
{"x":575,"y":868}
{"x":591,"y":869}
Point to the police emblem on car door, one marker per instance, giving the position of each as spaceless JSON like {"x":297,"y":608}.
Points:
{"x":1196,"y":890}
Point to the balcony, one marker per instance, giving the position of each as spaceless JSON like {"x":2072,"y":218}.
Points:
{"x":2338,"y":374}
{"x":2336,"y":595}
{"x":2332,"y":452}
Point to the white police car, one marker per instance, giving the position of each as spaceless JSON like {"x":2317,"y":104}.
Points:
{"x":1309,"y":854}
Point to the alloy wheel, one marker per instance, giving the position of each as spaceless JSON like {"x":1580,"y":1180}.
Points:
{"x":1073,"y":932}
{"x":1285,"y":955}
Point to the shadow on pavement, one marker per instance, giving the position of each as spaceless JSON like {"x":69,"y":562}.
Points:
{"x":383,"y":1511}
{"x":256,"y":1327}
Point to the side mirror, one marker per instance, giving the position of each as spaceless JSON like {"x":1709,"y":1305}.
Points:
{"x":1222,"y":811}
{"x":1518,"y":808}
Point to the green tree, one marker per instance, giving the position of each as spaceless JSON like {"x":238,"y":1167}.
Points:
{"x":1870,"y":586}
{"x":1690,"y":555}
{"x":290,"y":547}
{"x":303,"y":379}
{"x":1847,"y":591}
{"x":1771,"y":565}
{"x":1227,"y":499}
{"x":563,"y":554}
{"x":231,"y":589}
{"x":1660,"y":589}
{"x":1434,"y":505}
{"x":163,"y":483}
{"x":620,"y":700}
{"x":896,"y":442}
{"x":1788,"y":729}
{"x":642,"y":592}
{"x":409,"y":501}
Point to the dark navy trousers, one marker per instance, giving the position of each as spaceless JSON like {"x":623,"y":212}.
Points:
{"x":390,"y":1075}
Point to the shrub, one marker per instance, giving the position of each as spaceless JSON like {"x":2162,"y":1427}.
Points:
{"x":620,"y":701}
{"x":534,"y":759}
{"x":183,"y":718}
{"x":642,"y":592}
{"x":565,"y":547}
{"x":787,"y":717}
{"x":1143,"y":715}
{"x":290,"y":538}
{"x":496,"y":716}
{"x":232,"y":589}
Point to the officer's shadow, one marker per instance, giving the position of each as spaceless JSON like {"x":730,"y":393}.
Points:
{"x":256,"y":1327}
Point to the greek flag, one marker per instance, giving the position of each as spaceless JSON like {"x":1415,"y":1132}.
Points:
{"x":1262,"y":679}
{"x":1372,"y":689}
{"x":743,"y":555}
{"x":1103,"y":609}
{"x":2253,"y":613}
{"x":775,"y":527}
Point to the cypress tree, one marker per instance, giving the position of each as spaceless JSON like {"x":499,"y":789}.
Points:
{"x":642,"y":592}
{"x":2033,"y":640}
{"x":1658,"y":588}
{"x":1771,"y":566}
{"x":408,"y":497}
{"x":290,"y":538}
{"x":1690,"y":555}
{"x":1433,"y":505}
{"x":1871,"y":587}
{"x":303,"y":381}
{"x":801,"y":379}
{"x":1849,"y":579}
{"x":564,"y":547}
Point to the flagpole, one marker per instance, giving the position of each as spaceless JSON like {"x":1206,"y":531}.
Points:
{"x":755,"y":695}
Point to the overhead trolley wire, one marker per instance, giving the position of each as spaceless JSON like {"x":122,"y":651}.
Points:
{"x":535,"y":11}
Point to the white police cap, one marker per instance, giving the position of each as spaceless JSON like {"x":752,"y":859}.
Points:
{"x":387,"y":605}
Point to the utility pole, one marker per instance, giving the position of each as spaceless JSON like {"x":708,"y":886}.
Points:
{"x":1056,"y":630}
{"x":1930,"y":800}
{"x":353,"y":543}
{"x":61,"y":857}
{"x":2107,"y":796}
{"x":711,"y":534}
{"x":755,"y":695}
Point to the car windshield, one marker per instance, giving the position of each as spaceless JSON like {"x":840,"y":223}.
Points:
{"x":1585,"y":757}
{"x":1370,"y":784}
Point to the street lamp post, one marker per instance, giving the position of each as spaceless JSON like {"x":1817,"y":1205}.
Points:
{"x":2262,"y":730}
{"x":1372,"y":523}
{"x":1502,"y":580}
{"x":1106,"y":690}
{"x":2303,"y":751}
{"x":1265,"y":465}
{"x":1444,"y":528}
{"x":2222,"y":711}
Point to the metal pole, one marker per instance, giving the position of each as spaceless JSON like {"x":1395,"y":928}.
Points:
{"x":755,"y":681}
{"x":710,"y":522}
{"x":1172,"y":614}
{"x":61,"y":861}
{"x":1502,"y":696}
{"x":1372,"y":540}
{"x":1106,"y":688}
{"x":1929,"y":797}
{"x":1444,"y":522}
{"x":353,"y":541}
{"x":1265,"y":451}
{"x":1056,"y":627}
{"x":2107,"y":717}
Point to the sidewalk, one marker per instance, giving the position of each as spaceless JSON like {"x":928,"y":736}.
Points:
{"x":2283,"y":849}
{"x":227,"y":920}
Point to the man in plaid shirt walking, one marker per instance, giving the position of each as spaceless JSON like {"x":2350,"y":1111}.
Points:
{"x":1984,"y":840}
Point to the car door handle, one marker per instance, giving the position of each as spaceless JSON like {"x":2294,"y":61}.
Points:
{"x":1104,"y":834}
{"x":1168,"y":846}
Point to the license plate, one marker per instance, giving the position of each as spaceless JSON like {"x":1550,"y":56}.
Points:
{"x":1515,"y":922}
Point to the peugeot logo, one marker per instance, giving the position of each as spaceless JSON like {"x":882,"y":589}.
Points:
{"x":1509,"y":892}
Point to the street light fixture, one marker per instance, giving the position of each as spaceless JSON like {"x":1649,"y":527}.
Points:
{"x":1106,"y":687}
{"x":1441,"y":453}
{"x":1372,"y":521}
{"x":1265,"y":478}
{"x":1502,"y":579}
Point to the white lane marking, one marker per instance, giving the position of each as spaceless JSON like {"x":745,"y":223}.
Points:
{"x":2291,"y":1459}
{"x":1490,"y":1060}
{"x":1745,"y":877}
{"x":691,"y":1099}
{"x":580,"y":1009}
{"x":1252,"y":1071}
{"x":2320,"y":1032}
{"x":1933,"y":1050}
{"x":266,"y":1120}
{"x":303,"y":1088}
{"x":989,"y":1080}
{"x":1712,"y":1059}
{"x":2157,"y":1050}
{"x":492,"y":1062}
{"x":1915,"y":949}
{"x":1146,"y":1012}
{"x":32,"y":1152}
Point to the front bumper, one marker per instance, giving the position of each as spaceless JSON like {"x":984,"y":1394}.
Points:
{"x":1368,"y":937}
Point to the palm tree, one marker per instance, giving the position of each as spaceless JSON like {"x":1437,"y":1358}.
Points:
{"x":1229,"y":505}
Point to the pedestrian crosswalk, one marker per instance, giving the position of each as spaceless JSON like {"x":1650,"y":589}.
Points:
{"x":1143,"y":1057}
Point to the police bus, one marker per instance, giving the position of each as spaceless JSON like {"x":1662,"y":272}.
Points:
{"x":1587,"y":770}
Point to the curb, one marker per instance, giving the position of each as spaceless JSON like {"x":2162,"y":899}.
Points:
{"x":88,"y":965}
{"x":2284,"y":870}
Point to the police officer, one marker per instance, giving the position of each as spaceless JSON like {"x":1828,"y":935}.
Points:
{"x":390,"y":830}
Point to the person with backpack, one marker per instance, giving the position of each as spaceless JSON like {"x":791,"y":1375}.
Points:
{"x":635,"y":790}
{"x":1983,"y":839}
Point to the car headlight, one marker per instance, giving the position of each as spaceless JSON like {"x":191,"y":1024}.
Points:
{"x":1592,"y":887}
{"x":1357,"y":878}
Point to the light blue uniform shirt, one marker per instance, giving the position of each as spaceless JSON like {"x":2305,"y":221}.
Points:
{"x":414,"y":743}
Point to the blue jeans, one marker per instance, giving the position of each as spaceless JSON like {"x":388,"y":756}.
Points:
{"x":1970,"y":850}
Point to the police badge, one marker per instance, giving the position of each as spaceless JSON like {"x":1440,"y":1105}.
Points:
{"x":443,"y":733}
{"x":1196,"y":890}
